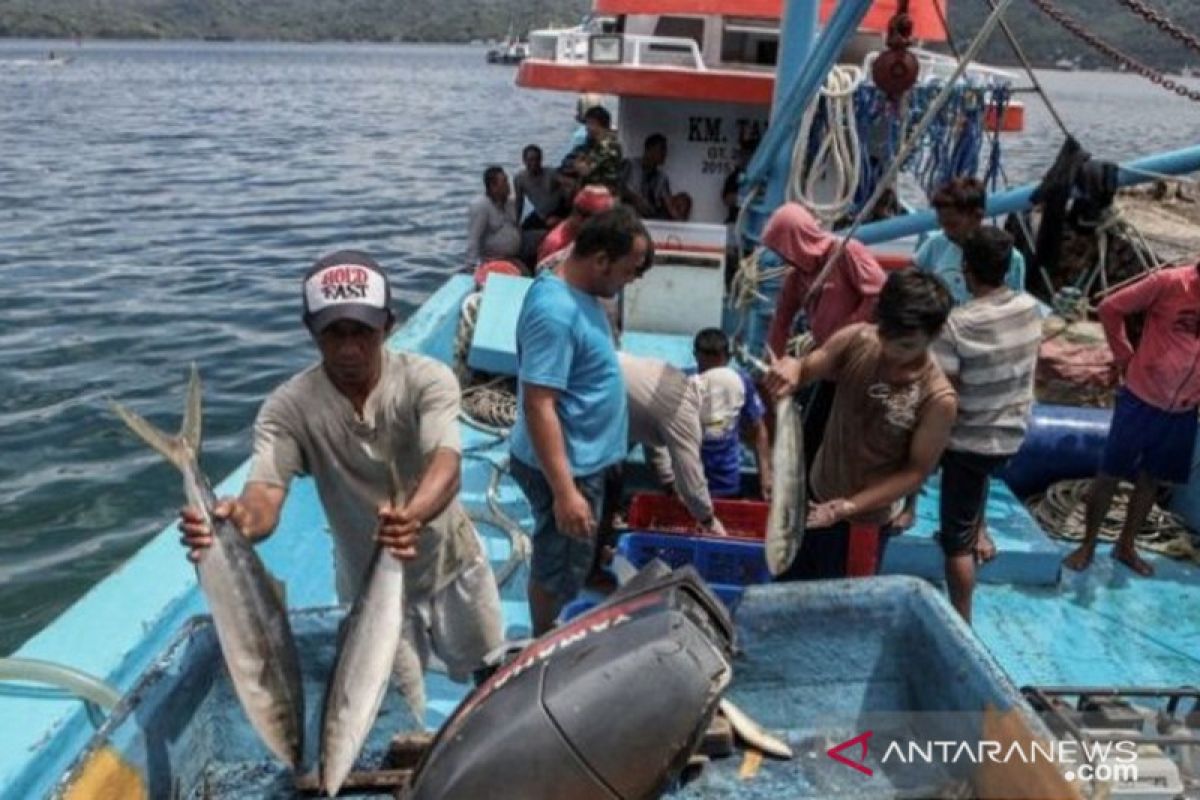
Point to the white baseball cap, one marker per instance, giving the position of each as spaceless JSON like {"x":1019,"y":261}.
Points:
{"x":348,"y":284}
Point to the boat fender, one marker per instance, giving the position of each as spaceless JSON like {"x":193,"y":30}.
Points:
{"x":1062,"y":443}
{"x":895,"y":70}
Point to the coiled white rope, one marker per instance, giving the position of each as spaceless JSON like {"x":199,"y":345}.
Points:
{"x":467,"y":317}
{"x":827,"y":184}
{"x":744,"y":288}
{"x":488,"y":405}
{"x":1061,"y":512}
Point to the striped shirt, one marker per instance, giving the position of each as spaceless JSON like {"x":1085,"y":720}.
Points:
{"x":990,"y":344}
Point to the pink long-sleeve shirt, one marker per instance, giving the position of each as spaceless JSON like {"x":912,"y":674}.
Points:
{"x":848,"y":295}
{"x":1164,"y":371}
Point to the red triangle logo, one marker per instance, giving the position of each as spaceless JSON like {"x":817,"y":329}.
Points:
{"x":835,"y":753}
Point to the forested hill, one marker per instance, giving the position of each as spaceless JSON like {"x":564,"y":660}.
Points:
{"x":1111,"y":20}
{"x":464,"y":20}
{"x":291,"y":20}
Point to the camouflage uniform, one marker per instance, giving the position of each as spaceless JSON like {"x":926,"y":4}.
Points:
{"x":605,"y":158}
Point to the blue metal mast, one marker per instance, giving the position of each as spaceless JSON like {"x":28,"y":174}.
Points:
{"x":800,"y":73}
{"x":1174,"y":162}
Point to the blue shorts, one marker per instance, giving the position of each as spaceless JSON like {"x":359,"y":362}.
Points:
{"x":1147,"y":439}
{"x":560,"y":564}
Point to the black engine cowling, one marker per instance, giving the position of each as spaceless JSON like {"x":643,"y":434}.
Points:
{"x":610,"y":705}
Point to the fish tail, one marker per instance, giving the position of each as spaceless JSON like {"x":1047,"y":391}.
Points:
{"x":179,"y":450}
{"x":193,"y":410}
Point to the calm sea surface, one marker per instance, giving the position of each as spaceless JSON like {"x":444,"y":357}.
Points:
{"x":159,"y":201}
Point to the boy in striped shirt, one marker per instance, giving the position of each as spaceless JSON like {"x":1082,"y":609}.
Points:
{"x":989,"y":350}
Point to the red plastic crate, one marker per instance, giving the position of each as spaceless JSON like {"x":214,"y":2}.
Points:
{"x":661,"y":513}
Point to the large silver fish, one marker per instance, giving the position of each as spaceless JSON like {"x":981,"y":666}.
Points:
{"x":371,"y":648}
{"x":247,"y":609}
{"x":360,"y":677}
{"x":789,"y":506}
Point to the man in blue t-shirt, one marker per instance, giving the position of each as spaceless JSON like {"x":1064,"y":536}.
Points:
{"x":960,"y":205}
{"x":730,"y":411}
{"x":572,"y":416}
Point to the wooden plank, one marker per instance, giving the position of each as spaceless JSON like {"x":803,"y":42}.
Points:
{"x":368,"y":782}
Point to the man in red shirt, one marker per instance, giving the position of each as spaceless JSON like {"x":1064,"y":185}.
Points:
{"x":589,"y":201}
{"x":1154,"y":422}
{"x":847,"y":295}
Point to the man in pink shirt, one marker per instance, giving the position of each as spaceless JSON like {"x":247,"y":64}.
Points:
{"x":846,"y":296}
{"x":1154,"y":421}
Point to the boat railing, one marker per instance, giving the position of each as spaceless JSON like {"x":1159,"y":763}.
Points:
{"x":573,"y":46}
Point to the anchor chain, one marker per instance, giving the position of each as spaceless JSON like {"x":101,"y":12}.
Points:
{"x":1131,"y":63}
{"x":1163,"y":23}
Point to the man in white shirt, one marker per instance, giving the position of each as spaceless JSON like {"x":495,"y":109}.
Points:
{"x":351,"y":421}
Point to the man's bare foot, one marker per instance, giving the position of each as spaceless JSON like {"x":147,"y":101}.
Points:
{"x":985,"y":548}
{"x":1080,"y":559}
{"x":1131,"y":559}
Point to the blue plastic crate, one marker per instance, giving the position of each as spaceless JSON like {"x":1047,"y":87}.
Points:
{"x":720,"y":562}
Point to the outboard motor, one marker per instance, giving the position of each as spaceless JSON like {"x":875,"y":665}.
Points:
{"x":610,"y":705}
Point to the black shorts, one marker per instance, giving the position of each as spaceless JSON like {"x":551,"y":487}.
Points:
{"x":964,"y":493}
{"x":828,"y":553}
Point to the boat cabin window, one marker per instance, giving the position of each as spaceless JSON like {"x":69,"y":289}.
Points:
{"x":681,"y":28}
{"x":651,"y":33}
{"x":745,"y":40}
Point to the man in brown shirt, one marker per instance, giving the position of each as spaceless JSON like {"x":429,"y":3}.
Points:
{"x":890,"y":422}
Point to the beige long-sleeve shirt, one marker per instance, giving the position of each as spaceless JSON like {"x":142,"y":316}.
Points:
{"x":664,"y":417}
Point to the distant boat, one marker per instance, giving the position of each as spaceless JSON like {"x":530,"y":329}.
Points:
{"x":1066,"y":63}
{"x":511,"y":52}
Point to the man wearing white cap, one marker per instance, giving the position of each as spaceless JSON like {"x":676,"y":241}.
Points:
{"x":351,"y":421}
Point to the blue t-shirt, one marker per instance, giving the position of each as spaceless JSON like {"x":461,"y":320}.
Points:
{"x":943,"y":258}
{"x":564,"y":343}
{"x":730,"y":404}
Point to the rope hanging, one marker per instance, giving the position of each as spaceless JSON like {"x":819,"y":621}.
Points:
{"x":953,"y":146}
{"x":827,"y":149}
{"x":911,"y":145}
